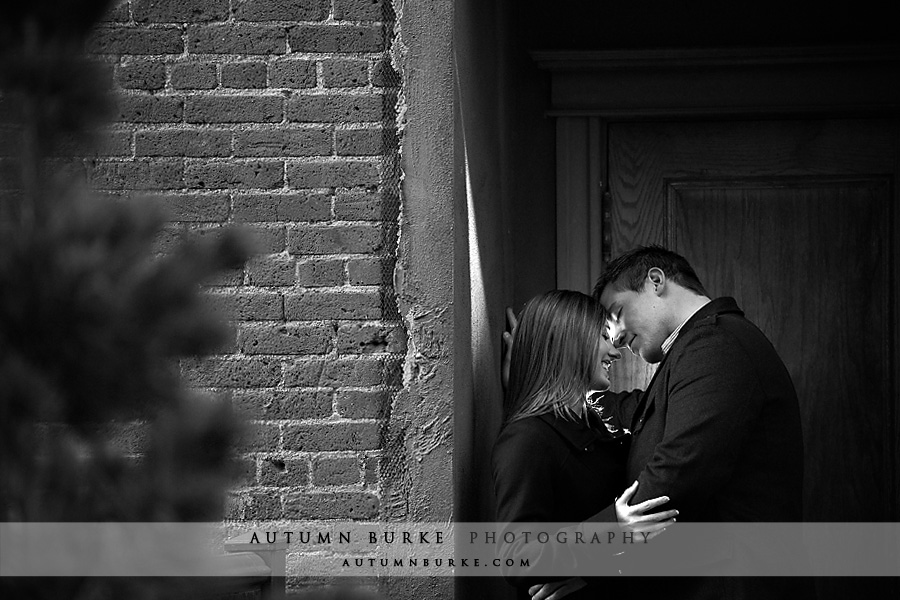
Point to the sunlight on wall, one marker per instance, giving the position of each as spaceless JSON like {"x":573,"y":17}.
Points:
{"x":476,"y":273}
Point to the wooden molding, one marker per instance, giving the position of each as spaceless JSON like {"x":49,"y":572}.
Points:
{"x":723,"y":83}
{"x":677,"y":58}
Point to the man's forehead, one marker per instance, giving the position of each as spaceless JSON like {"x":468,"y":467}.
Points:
{"x":612,"y":295}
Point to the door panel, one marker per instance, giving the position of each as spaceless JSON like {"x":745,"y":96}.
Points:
{"x":798,"y":221}
{"x":756,"y":241}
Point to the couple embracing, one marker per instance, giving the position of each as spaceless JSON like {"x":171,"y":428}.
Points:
{"x":714,"y":438}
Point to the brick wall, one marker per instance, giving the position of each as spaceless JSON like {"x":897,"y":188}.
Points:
{"x":277,"y":115}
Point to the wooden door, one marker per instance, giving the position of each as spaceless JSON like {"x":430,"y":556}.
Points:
{"x":798,"y":220}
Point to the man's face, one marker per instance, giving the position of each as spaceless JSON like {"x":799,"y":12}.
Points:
{"x":636,"y":320}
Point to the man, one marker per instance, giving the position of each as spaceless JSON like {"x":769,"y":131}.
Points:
{"x":718,"y":428}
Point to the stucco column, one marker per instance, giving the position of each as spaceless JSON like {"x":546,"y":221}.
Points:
{"x":418,"y":444}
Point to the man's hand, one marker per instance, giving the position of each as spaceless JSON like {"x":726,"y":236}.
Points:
{"x":638,"y":518}
{"x":511,"y":323}
{"x":556,"y":589}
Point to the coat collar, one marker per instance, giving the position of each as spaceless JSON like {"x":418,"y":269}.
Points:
{"x":708,"y":314}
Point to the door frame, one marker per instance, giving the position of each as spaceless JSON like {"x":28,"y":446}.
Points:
{"x":589,"y":90}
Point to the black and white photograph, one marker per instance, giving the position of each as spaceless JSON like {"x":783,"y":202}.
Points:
{"x":449,"y":299}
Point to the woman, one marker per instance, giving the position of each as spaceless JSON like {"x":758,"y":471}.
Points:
{"x":558,"y":458}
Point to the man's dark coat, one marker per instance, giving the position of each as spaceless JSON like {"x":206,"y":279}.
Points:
{"x":718,"y":431}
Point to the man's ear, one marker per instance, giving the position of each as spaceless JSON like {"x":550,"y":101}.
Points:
{"x":656,"y":278}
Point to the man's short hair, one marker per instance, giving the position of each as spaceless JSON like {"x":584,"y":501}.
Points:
{"x":629,"y":271}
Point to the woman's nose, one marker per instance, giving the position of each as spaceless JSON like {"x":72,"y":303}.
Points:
{"x":614,"y":353}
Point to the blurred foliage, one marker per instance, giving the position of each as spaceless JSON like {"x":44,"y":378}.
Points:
{"x":94,"y":422}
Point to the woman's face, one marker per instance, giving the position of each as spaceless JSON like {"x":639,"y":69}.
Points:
{"x":608,"y":354}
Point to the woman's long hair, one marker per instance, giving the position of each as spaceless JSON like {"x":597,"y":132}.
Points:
{"x":556,"y":348}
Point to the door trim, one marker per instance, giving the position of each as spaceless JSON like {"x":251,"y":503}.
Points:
{"x":732,"y":83}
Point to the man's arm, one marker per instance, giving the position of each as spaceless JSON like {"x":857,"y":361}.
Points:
{"x":620,"y":407}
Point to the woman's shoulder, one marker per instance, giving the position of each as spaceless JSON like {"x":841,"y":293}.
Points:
{"x":533,"y":425}
{"x":526,"y":442}
{"x":527,"y":433}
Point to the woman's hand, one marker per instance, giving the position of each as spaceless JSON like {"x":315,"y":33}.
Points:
{"x":638,"y":517}
{"x":556,"y":589}
{"x":511,"y":323}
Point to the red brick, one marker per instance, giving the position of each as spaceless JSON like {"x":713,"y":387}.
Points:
{"x":371,"y":470}
{"x":235,"y":372}
{"x":362,"y":142}
{"x":363,"y":206}
{"x":181,"y":142}
{"x":282,"y":404}
{"x":117,"y":13}
{"x":179,"y":11}
{"x":150,"y":109}
{"x":233,"y":174}
{"x":337,"y":38}
{"x":315,"y":273}
{"x":248,"y":306}
{"x":363,"y":338}
{"x":248,"y":75}
{"x":135,"y":40}
{"x":324,"y":437}
{"x":198,"y":208}
{"x":289,"y":472}
{"x":236,"y":39}
{"x":333,"y":173}
{"x":330,"y":304}
{"x":142,"y":75}
{"x":285,"y":339}
{"x":284,"y":142}
{"x":332,"y":505}
{"x":292,"y":73}
{"x":282,"y":207}
{"x":271,"y":270}
{"x":265,"y":239}
{"x":370,"y":271}
{"x":337,"y":470}
{"x":196,"y":76}
{"x":243,"y":472}
{"x":234,"y":109}
{"x":335,"y":373}
{"x":137,"y":175}
{"x":357,"y":404}
{"x":334,"y":239}
{"x":259,"y":436}
{"x":281,"y":10}
{"x":336,"y":108}
{"x":345,"y":73}
{"x":102,"y":143}
{"x":227,"y":278}
{"x":167,"y":240}
{"x":384,"y":75}
{"x":363,"y":10}
{"x":263,"y":506}
{"x":234,"y":506}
